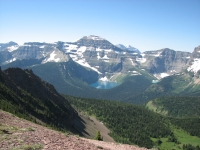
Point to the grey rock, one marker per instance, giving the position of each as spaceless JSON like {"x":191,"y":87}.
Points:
{"x":166,"y":60}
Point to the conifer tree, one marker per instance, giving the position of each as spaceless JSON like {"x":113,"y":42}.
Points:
{"x":98,"y":136}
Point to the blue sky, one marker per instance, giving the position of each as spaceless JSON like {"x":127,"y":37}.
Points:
{"x":144,"y":24}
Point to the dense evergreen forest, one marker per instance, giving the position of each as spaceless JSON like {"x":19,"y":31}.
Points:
{"x":191,"y":125}
{"x":184,"y":111}
{"x":135,"y":124}
{"x":179,"y":106}
{"x":128,"y":123}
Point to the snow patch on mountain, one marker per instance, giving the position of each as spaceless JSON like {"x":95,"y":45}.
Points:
{"x":52,"y":57}
{"x":105,"y":57}
{"x":104,"y":79}
{"x":121,"y":46}
{"x":11,"y":60}
{"x":131,"y":61}
{"x":94,"y":37}
{"x":13,"y":48}
{"x":82,"y":49}
{"x":98,"y":57}
{"x":56,"y":56}
{"x":85,"y":64}
{"x":187,"y":57}
{"x":157,"y":54}
{"x":74,"y":57}
{"x":161,"y":75}
{"x":27,"y":45}
{"x":133,"y":73}
{"x":195,"y":67}
{"x":70,"y":47}
{"x":42,"y":46}
{"x":128,"y":48}
{"x":105,"y":50}
{"x":141,"y":60}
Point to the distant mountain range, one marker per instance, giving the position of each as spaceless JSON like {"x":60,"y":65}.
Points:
{"x":72,"y":66}
{"x":103,"y":57}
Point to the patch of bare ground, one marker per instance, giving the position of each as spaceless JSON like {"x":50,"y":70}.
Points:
{"x":91,"y":126}
{"x":114,"y":146}
{"x":17,"y":134}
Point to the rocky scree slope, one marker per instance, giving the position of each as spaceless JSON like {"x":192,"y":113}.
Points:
{"x":18,"y":133}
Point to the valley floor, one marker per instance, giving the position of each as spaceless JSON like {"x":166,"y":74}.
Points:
{"x":17,"y":133}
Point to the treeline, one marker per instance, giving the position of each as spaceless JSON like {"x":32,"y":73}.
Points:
{"x":183,"y":112}
{"x":191,"y":125}
{"x":190,"y":147}
{"x":128,"y":123}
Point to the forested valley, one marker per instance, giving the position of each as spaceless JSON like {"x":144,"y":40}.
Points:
{"x":133,"y":124}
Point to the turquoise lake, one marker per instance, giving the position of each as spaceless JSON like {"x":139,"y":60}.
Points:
{"x":104,"y":84}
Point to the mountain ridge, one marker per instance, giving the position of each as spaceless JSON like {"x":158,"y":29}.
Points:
{"x":102,"y":56}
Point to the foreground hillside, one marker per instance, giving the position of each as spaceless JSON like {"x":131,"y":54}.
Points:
{"x":26,"y":95}
{"x":16,"y":133}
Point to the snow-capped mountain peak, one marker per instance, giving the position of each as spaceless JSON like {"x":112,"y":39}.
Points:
{"x":121,"y":46}
{"x":128,"y":48}
{"x":94,"y":37}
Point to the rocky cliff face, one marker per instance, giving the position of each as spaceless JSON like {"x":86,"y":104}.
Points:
{"x":102,"y":56}
{"x":196,"y":53}
{"x":194,"y":62}
{"x":165,"y":61}
{"x":5,"y":45}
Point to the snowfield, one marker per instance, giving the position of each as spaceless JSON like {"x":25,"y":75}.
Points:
{"x":195,"y":67}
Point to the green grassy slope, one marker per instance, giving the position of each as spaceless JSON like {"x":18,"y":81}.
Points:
{"x":176,"y":106}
